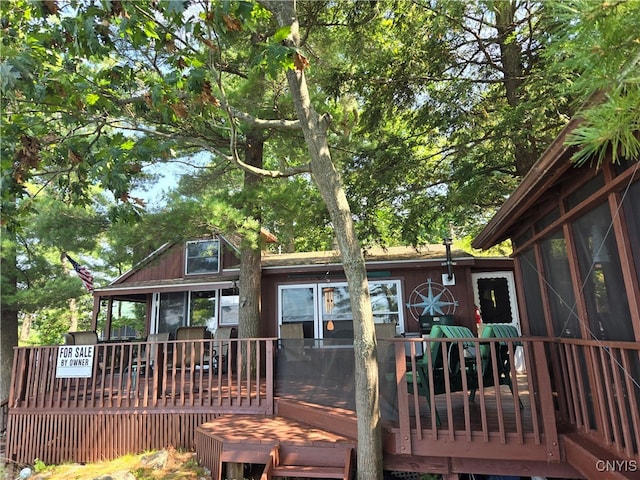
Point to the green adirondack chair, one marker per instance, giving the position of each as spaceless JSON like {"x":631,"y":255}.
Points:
{"x":498,"y":330}
{"x":434,"y":361}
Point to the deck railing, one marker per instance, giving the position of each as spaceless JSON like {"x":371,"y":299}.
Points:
{"x":133,"y":375}
{"x":598,"y":388}
{"x":471,"y":389}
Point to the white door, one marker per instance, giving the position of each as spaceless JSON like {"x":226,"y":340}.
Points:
{"x":494,"y":294}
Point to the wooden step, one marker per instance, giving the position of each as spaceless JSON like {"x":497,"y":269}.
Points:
{"x":284,"y":463}
{"x":318,"y":455}
{"x":307,"y":472}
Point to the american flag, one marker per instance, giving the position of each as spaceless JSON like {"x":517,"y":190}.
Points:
{"x":83,"y":272}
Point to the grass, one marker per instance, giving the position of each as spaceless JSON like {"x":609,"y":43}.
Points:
{"x":175,"y":465}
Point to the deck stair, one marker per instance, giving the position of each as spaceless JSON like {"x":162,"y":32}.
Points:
{"x":299,"y":441}
{"x":309,"y":462}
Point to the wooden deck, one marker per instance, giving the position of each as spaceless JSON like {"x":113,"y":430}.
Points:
{"x":112,"y":413}
{"x":300,"y":447}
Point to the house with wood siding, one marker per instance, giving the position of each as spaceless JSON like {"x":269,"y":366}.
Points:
{"x":546,"y":386}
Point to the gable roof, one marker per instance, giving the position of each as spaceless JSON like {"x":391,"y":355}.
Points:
{"x":415,"y":257}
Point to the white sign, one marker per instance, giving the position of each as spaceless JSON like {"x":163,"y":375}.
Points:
{"x":74,"y":361}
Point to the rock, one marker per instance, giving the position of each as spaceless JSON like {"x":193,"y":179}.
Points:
{"x":120,"y":475}
{"x":156,"y":461}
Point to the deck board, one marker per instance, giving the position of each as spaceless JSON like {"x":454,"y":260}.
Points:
{"x":262,"y":429}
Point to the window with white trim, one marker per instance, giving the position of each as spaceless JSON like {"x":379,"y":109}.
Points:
{"x":229,"y":306}
{"x":324,"y":309}
{"x":202,"y":256}
{"x":203,"y":309}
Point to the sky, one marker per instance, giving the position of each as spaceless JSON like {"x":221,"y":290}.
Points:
{"x":168,"y":175}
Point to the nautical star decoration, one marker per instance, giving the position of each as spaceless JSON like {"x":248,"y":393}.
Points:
{"x":431,"y":298}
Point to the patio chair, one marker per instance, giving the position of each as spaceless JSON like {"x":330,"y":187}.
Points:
{"x":143,"y":367}
{"x":190,"y":355}
{"x":81,"y":338}
{"x":292,"y":341}
{"x":503,"y":359}
{"x":439,"y":372}
{"x":220,"y":354}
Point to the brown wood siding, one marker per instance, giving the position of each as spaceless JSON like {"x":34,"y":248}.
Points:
{"x":170,"y":265}
{"x":410,"y":276}
{"x":229,"y":257}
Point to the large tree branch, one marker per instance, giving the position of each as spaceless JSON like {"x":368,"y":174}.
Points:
{"x":210,"y":147}
{"x":265,"y":124}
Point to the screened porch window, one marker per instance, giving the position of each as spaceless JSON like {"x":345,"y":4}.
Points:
{"x":229,"y":306}
{"x":632,"y":217}
{"x":202,"y":309}
{"x":601,"y":276}
{"x":559,"y":287}
{"x":172,"y":313}
{"x":533,"y":294}
{"x":203,"y":256}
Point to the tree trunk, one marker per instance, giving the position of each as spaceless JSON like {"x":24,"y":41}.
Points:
{"x":511,"y":57}
{"x":8,"y":312}
{"x":73,"y":309}
{"x":327,"y":179}
{"x":250,"y":281}
{"x":250,"y":254}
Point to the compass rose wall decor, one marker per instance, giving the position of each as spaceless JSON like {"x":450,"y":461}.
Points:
{"x":431,"y":298}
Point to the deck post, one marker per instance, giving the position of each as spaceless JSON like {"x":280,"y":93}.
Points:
{"x":403,"y":400}
{"x":270,"y":356}
{"x":545,"y":397}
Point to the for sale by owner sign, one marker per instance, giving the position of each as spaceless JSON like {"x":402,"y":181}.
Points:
{"x":74,"y":361}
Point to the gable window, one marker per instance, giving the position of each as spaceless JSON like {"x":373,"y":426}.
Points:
{"x":203,"y":256}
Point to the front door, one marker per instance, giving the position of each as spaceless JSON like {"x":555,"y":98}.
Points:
{"x":495,"y":296}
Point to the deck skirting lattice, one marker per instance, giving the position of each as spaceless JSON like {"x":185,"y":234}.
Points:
{"x":57,"y":438}
{"x":209,"y":453}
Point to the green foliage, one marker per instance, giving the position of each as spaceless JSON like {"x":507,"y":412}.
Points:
{"x":39,"y":466}
{"x":444,"y":126}
{"x":430,"y":476}
{"x":598,"y":43}
{"x":438,"y":109}
{"x":611,"y":127}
